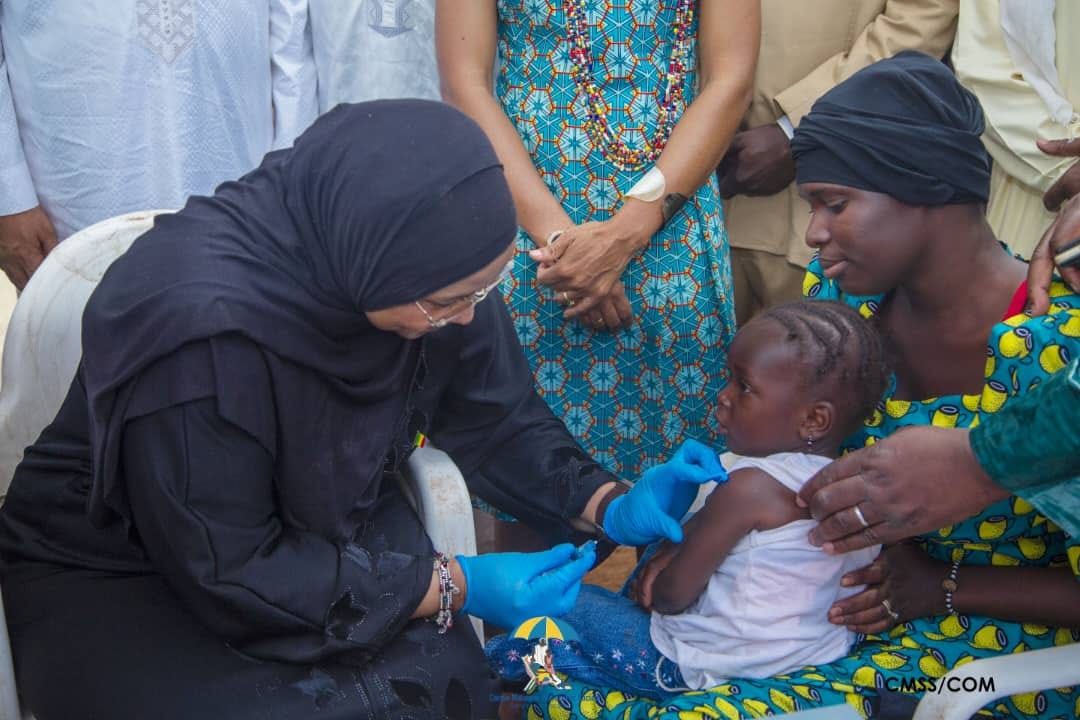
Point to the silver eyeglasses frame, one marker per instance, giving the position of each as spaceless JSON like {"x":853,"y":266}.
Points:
{"x":477,"y":297}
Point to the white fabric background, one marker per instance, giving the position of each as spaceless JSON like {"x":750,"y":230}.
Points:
{"x":374,"y":49}
{"x":111,"y":106}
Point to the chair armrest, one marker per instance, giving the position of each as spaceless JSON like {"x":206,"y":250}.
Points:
{"x":1013,"y":674}
{"x":444,"y":504}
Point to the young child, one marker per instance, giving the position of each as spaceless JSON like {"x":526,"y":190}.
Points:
{"x":745,"y":594}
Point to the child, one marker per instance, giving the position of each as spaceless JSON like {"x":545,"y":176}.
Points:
{"x":745,"y":594}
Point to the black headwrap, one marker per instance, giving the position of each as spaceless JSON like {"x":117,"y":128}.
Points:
{"x":377,"y":204}
{"x":904,"y":127}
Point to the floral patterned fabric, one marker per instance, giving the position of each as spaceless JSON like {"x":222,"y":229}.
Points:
{"x":1022,"y":351}
{"x":629,"y":397}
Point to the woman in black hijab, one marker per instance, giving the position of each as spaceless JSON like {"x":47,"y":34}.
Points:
{"x":211,"y":528}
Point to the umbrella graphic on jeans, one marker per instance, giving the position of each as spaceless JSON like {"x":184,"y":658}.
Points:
{"x":545,"y":627}
{"x":539,"y":665}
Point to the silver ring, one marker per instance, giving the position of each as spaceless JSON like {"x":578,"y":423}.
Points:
{"x":888,"y":608}
{"x":569,"y":300}
{"x":1069,"y":255}
{"x":859,"y":515}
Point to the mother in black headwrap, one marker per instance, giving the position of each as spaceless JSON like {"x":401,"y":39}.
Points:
{"x":897,"y":178}
{"x":211,"y":528}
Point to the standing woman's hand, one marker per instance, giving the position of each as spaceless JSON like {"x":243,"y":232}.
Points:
{"x":612,"y":312}
{"x":902,"y":584}
{"x":585,"y":265}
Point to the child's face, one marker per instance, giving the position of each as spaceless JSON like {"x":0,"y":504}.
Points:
{"x":759,"y":410}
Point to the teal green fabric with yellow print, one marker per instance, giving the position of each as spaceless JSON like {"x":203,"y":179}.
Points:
{"x":1033,"y":447}
{"x":1022,"y":352}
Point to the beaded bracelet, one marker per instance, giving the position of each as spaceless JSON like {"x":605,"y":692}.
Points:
{"x":444,"y":618}
{"x":949,"y":585}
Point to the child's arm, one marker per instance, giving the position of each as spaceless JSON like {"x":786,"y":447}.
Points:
{"x":751,"y":499}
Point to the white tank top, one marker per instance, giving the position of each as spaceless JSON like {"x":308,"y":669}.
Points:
{"x":765,"y":609}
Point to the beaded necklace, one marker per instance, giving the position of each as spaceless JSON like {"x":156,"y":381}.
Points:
{"x":597,"y":125}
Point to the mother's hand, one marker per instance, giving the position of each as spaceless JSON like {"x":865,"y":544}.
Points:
{"x":587,"y":262}
{"x":902,"y":584}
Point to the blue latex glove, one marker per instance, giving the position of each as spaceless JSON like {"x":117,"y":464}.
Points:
{"x":508,"y":588}
{"x":654,"y":507}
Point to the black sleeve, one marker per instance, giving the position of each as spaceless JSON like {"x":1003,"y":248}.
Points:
{"x":203,"y":502}
{"x":512,"y":450}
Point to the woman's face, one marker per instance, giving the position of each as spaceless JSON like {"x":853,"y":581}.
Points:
{"x":758,"y":412}
{"x":452,"y":305}
{"x":868,"y":242}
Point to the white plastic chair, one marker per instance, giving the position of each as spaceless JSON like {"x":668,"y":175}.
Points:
{"x":442,"y":499}
{"x":1014,"y":674}
{"x":42,"y":351}
{"x":44,"y":339}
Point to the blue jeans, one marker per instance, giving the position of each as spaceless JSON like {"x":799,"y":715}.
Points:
{"x":614,"y":651}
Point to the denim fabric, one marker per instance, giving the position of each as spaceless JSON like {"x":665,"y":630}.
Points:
{"x":614,"y":651}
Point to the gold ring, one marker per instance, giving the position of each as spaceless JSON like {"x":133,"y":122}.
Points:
{"x":859,"y":516}
{"x":568,"y":299}
{"x":888,"y":608}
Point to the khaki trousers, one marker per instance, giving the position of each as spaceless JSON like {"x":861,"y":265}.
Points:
{"x":763,"y":280}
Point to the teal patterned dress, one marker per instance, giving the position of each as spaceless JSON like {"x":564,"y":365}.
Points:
{"x":1021,"y":352}
{"x":632,"y":396}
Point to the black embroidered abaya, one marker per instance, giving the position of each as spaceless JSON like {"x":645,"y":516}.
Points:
{"x":211,"y":527}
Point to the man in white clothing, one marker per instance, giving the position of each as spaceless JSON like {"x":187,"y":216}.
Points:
{"x":374,"y":49}
{"x":1021,"y":60}
{"x":110,"y":106}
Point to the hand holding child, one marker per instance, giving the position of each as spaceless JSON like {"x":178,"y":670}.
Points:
{"x":902,"y":584}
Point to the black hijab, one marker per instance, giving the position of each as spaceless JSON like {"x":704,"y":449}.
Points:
{"x":377,"y":204}
{"x":904,"y":127}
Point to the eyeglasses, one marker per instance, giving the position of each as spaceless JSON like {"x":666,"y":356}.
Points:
{"x":476,"y":297}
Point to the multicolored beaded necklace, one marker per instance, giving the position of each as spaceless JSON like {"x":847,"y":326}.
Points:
{"x":597,"y":124}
